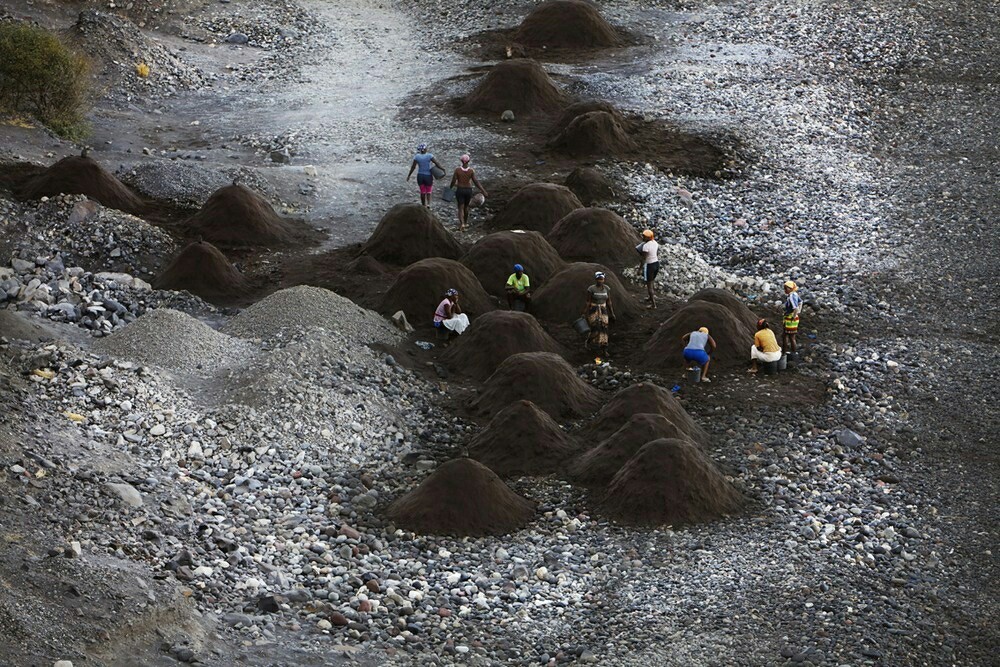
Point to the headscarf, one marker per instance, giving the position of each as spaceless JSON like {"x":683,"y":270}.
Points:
{"x":703,"y":330}
{"x":648,"y":234}
{"x":791,"y":285}
{"x":465,"y":159}
{"x":599,"y":275}
{"x":422,"y":147}
{"x":451,"y":292}
{"x":761,"y":323}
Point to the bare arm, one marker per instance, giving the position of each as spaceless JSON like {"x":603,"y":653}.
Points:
{"x":476,"y":183}
{"x":711,"y":343}
{"x":611,"y":310}
{"x":412,"y":167}
{"x":436,"y":163}
{"x":454,"y":179}
{"x":685,"y":337}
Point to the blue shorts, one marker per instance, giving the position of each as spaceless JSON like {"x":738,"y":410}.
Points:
{"x":700,"y":357}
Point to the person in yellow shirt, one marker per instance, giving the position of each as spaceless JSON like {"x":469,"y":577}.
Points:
{"x":765,"y":347}
{"x":518,"y":288}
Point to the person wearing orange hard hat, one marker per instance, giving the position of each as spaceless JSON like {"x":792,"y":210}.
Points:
{"x":649,"y":252}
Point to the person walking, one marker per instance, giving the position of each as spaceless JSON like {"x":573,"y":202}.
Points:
{"x":698,"y":349}
{"x":600,"y":313}
{"x":649,"y":251}
{"x":765,"y":348}
{"x":793,"y":306}
{"x":422,"y":162}
{"x":463,"y":179}
{"x":518,"y":288}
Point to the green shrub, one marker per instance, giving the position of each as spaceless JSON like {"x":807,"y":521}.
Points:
{"x":41,"y":77}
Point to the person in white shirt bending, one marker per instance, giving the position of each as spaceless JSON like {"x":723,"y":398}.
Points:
{"x":649,"y":251}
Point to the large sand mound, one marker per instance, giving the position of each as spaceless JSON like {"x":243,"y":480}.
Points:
{"x":419,"y":288}
{"x":598,"y":465}
{"x":543,"y":378}
{"x":590,"y":186}
{"x":582,"y":107}
{"x":669,"y":481}
{"x":408,"y":233}
{"x":595,"y":235}
{"x":730,"y":301}
{"x":522,"y":440}
{"x":566,"y":24}
{"x":202,"y":269}
{"x":644,"y":397}
{"x":495,"y":337}
{"x":733,"y":337}
{"x":537,"y":207}
{"x":565,"y":294}
{"x":77,"y":175}
{"x":520,"y":85}
{"x":493,"y":257}
{"x":593,"y":133}
{"x":236,"y":216}
{"x":461,"y":498}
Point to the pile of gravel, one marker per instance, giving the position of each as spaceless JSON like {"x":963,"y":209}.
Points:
{"x":187,"y":183}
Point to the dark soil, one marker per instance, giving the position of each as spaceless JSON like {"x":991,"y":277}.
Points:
{"x":566,"y":24}
{"x":202,"y":269}
{"x":522,"y":440}
{"x":732,"y":335}
{"x":731,"y":302}
{"x":543,"y":378}
{"x":520,"y":85}
{"x":76,"y":175}
{"x":536,"y":207}
{"x":237,"y":216}
{"x":590,"y":186}
{"x":494,"y":337}
{"x":564,"y":296}
{"x":419,"y":288}
{"x":461,"y":498}
{"x":642,"y":398}
{"x":492,"y":259}
{"x":408,"y":233}
{"x":595,"y":235}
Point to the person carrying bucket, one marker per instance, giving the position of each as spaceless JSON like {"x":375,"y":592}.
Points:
{"x":463,"y":179}
{"x":649,"y":252}
{"x":765,"y":348}
{"x":422,"y":162}
{"x":698,"y":350}
{"x":518,"y":288}
{"x":793,"y":306}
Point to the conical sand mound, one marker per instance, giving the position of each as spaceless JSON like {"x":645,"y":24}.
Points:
{"x":644,"y":397}
{"x":733,"y":337}
{"x":520,"y":85}
{"x":536,"y":207}
{"x":492,"y":259}
{"x":577,"y":109}
{"x":408,"y":233}
{"x":202,"y":269}
{"x":234,"y":215}
{"x":565,"y":294}
{"x":522,"y":440}
{"x":77,"y":175}
{"x":730,"y":301}
{"x":669,"y":481}
{"x":595,"y":235}
{"x":419,"y":288}
{"x":598,"y":465}
{"x":495,"y":337}
{"x":543,"y":378}
{"x":461,"y":498}
{"x":590,"y":186}
{"x":566,"y":24}
{"x":593,"y":133}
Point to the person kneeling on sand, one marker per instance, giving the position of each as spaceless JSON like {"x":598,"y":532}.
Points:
{"x":518,"y":288}
{"x":698,"y":350}
{"x":464,"y":178}
{"x":449,"y":318}
{"x":765,"y":348}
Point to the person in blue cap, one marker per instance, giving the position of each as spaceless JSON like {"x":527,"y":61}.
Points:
{"x":518,"y":288}
{"x":422,"y":162}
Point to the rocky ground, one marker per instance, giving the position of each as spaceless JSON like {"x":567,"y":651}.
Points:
{"x":207,"y":487}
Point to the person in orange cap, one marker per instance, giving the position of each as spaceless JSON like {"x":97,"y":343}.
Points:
{"x":649,"y":251}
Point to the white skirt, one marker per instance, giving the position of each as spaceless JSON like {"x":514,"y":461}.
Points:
{"x":766,"y":357}
{"x":458,"y":324}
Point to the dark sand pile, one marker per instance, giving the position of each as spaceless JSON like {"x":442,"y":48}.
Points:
{"x":583,"y":107}
{"x":522,"y":440}
{"x":598,"y":465}
{"x":419,"y":288}
{"x":733,"y":336}
{"x":730,"y":301}
{"x":565,"y":294}
{"x":494,"y":337}
{"x":669,"y":481}
{"x":366,"y":264}
{"x":493,"y":257}
{"x":77,"y":175}
{"x":408,"y":233}
{"x":593,"y":133}
{"x":590,"y":186}
{"x":595,"y":235}
{"x":520,"y":85}
{"x":642,"y":398}
{"x":202,"y":269}
{"x":462,"y":497}
{"x":543,"y":378}
{"x":566,"y":24}
{"x":234,"y":215}
{"x":536,"y":207}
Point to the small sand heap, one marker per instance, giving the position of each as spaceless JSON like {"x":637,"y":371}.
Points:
{"x":566,"y":24}
{"x":77,"y":175}
{"x":419,"y":288}
{"x":202,"y":269}
{"x":593,"y":133}
{"x":522,"y":440}
{"x":520,"y":85}
{"x":730,"y":301}
{"x":644,"y":397}
{"x":408,"y":233}
{"x":595,"y":235}
{"x":590,"y":186}
{"x":537,"y":207}
{"x":495,"y":337}
{"x":669,"y":481}
{"x":493,"y":257}
{"x":543,"y":378}
{"x":598,"y":465}
{"x":733,"y":336}
{"x":461,"y":498}
{"x":577,"y":109}
{"x":236,"y":216}
{"x":565,"y":294}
